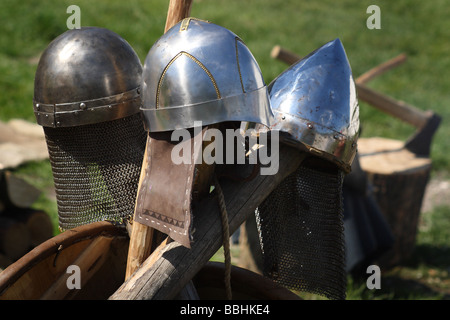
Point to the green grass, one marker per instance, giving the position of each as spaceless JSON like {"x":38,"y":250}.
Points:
{"x":425,"y":275}
{"x":421,"y":29}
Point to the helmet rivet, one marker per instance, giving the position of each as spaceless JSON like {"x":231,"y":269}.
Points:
{"x":83,"y":106}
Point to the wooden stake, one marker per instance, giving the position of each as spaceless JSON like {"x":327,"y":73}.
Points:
{"x":142,"y":235}
{"x":178,"y":10}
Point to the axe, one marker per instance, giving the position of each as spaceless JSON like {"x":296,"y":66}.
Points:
{"x":426,"y":122}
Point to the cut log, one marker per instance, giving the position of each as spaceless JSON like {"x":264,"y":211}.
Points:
{"x":38,"y":223}
{"x":15,"y":240}
{"x":171,"y":266}
{"x":16,"y":192}
{"x":40,"y":227}
{"x":399,"y":178}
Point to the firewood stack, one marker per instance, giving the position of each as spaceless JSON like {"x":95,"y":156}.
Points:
{"x":21,"y":227}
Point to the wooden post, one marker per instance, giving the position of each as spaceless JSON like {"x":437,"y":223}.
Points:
{"x":178,"y":10}
{"x":171,"y":266}
{"x":142,"y":235}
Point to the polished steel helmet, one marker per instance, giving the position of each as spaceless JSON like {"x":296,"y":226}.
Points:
{"x":87,"y":99}
{"x":316,"y":106}
{"x":201,"y":71}
{"x":86,"y":76}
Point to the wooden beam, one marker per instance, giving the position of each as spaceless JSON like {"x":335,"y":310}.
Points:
{"x":171,"y":266}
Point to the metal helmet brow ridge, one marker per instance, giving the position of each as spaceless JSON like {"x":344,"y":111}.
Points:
{"x":316,"y":106}
{"x":199,"y":71}
{"x":86,"y":76}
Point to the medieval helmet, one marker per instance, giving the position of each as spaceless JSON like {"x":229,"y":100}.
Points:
{"x":86,"y":76}
{"x":196,"y":75}
{"x":86,"y":97}
{"x":301,"y":222}
{"x":201,"y":71}
{"x":325,"y":121}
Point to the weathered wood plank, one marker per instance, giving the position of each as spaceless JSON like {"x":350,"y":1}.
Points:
{"x":171,"y":266}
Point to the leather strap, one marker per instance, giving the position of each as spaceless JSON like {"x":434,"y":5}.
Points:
{"x":165,"y":195}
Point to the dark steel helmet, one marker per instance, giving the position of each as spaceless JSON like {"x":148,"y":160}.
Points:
{"x":316,"y":106}
{"x":199,"y":71}
{"x":86,"y":76}
{"x":87,"y":99}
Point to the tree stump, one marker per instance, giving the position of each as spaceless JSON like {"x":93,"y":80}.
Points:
{"x":399,"y":178}
{"x":15,"y":238}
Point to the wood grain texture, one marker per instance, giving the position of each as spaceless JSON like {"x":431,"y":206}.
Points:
{"x":171,"y":266}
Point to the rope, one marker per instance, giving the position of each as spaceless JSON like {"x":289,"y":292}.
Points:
{"x":226,"y":238}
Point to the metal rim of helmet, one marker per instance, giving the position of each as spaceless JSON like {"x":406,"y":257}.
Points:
{"x":119,"y":94}
{"x":194,"y":47}
{"x":316,"y":107}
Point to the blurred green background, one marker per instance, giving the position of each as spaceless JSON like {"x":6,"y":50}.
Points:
{"x":420,"y":29}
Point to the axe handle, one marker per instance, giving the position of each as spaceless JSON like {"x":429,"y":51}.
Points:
{"x":398,"y":109}
{"x":380,"y":69}
{"x":141,"y":235}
